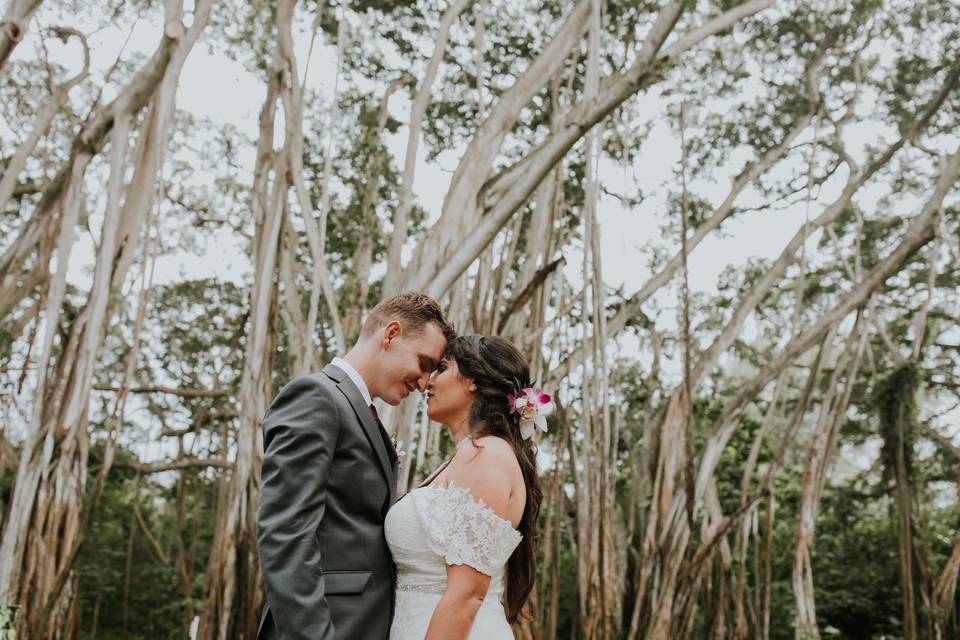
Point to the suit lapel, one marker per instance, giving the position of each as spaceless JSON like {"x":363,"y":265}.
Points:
{"x":391,"y":452}
{"x":370,"y":427}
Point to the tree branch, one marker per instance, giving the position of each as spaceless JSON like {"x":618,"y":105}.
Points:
{"x":185,"y":393}
{"x":14,"y":26}
{"x":535,"y":283}
{"x":185,"y":463}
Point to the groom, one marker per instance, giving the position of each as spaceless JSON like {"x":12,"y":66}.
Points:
{"x":329,"y":475}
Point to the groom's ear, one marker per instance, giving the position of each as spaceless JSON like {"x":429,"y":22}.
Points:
{"x":391,"y":331}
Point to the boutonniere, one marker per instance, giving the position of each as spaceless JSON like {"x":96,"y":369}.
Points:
{"x":398,"y":448}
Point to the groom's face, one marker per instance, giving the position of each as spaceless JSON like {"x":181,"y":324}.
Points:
{"x":408,"y":359}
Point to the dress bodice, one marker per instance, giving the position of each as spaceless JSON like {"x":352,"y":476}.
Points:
{"x":432,"y":527}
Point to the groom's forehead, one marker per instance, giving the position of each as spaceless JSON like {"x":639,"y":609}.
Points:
{"x":431,"y":343}
{"x":427,"y":338}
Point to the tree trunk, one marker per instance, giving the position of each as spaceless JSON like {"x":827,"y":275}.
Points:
{"x":944,"y":594}
{"x":233,"y":587}
{"x":398,"y":237}
{"x":36,"y":237}
{"x":39,"y":541}
{"x":665,"y":520}
{"x":362,"y":261}
{"x":816,"y":465}
{"x":40,"y":127}
{"x":315,"y":223}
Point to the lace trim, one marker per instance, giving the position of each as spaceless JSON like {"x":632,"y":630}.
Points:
{"x":462,"y":529}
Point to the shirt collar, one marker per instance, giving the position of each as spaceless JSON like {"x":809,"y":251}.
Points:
{"x":354,"y":377}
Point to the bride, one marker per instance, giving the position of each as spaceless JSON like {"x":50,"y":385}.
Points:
{"x":464,"y":542}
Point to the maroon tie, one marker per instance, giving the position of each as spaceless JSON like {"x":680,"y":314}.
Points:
{"x":383,"y":434}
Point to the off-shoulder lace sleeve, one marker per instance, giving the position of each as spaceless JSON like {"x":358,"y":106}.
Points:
{"x":464,"y":530}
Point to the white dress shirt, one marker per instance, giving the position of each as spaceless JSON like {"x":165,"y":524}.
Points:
{"x":355,"y":377}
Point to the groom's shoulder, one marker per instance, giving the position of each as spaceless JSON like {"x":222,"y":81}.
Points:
{"x":309,"y":384}
{"x":312,"y":393}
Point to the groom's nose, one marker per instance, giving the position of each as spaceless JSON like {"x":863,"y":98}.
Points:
{"x":422,"y":382}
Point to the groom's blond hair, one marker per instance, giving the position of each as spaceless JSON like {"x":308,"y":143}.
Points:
{"x":413,"y":310}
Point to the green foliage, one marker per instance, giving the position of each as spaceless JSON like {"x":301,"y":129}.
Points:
{"x":203,"y":333}
{"x":566,"y":618}
{"x":732,"y":463}
{"x":855,"y":530}
{"x":895,"y":400}
{"x":146,"y":602}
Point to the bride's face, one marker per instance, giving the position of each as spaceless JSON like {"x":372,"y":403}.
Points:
{"x":449,"y":394}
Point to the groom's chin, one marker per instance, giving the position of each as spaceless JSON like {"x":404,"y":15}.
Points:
{"x":393,"y":401}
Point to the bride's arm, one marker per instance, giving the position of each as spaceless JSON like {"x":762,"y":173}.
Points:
{"x":454,"y":614}
{"x":485,"y":472}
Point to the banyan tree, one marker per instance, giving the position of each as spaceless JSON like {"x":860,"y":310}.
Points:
{"x":724,"y":233}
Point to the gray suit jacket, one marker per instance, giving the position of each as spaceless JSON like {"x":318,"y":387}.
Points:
{"x":328,"y":479}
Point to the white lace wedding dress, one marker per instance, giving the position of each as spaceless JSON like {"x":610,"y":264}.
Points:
{"x":432,"y":527}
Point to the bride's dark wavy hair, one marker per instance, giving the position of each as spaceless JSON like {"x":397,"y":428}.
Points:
{"x":497,"y":368}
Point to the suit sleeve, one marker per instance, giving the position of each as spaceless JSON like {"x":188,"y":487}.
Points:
{"x":300,"y":434}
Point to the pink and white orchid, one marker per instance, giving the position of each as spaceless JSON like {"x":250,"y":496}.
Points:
{"x":534,"y":406}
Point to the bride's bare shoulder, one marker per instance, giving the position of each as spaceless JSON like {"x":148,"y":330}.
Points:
{"x":486,"y":465}
{"x":486,"y":450}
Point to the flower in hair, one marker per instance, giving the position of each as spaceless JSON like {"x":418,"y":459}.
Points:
{"x":534,"y":406}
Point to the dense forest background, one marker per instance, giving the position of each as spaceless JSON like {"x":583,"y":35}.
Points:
{"x":725,"y":233}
